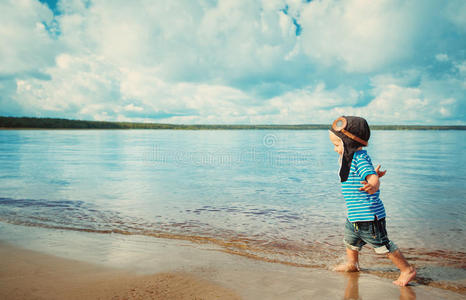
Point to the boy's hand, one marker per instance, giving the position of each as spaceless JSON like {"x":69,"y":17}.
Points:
{"x":368,"y":188}
{"x":380,"y":173}
{"x":371,"y":184}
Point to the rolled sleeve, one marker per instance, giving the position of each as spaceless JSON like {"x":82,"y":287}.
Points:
{"x":364,"y":167}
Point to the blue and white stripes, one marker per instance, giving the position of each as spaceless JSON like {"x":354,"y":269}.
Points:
{"x":361,"y":206}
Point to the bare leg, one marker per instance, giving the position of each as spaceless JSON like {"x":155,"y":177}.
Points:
{"x":352,"y":263}
{"x":408,"y":272}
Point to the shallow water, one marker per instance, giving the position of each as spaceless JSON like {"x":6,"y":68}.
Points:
{"x":271,"y":195}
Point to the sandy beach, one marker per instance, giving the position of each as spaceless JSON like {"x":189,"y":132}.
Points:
{"x":70,"y":265}
{"x":26,"y":274}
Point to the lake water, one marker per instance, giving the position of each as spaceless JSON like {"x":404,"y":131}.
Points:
{"x":266,"y":194}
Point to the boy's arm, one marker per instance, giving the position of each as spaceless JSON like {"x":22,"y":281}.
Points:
{"x":372,"y":182}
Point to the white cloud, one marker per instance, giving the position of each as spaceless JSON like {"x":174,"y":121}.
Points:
{"x":308,"y":103}
{"x":79,"y":85}
{"x":461,"y":67}
{"x":433,"y":101}
{"x":456,"y":13}
{"x":359,"y":35}
{"x":25,"y":43}
{"x":236,"y":61}
{"x":132,"y":107}
{"x":442,"y":57}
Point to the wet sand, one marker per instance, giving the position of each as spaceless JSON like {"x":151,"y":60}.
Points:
{"x":195,"y":274}
{"x":26,"y":274}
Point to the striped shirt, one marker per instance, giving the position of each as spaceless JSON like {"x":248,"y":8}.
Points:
{"x":361,"y":206}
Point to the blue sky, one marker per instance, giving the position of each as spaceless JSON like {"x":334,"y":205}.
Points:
{"x":235,"y":61}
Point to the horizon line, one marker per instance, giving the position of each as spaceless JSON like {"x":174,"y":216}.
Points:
{"x":4,"y":119}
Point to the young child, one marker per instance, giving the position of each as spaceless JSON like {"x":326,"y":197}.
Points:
{"x":360,"y":186}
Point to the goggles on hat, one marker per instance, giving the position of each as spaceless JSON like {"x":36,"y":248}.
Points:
{"x":339,"y":125}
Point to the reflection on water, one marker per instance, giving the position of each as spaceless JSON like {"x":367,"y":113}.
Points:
{"x":352,"y":286}
{"x":267,"y":194}
{"x":407,"y":293}
{"x":352,"y":289}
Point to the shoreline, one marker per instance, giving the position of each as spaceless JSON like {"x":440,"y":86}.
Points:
{"x":128,"y":267}
{"x":446,"y":276}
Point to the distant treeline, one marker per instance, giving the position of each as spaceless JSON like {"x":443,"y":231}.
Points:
{"x":54,"y":123}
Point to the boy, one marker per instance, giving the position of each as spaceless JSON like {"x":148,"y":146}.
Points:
{"x":360,"y":186}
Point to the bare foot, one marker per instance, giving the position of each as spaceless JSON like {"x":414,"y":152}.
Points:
{"x":347,"y":267}
{"x":406,"y":277}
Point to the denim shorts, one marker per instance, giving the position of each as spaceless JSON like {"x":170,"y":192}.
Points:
{"x":372,"y":233}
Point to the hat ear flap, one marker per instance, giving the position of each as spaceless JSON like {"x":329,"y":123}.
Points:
{"x":340,"y":161}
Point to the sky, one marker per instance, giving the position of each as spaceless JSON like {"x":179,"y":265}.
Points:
{"x":235,"y":61}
